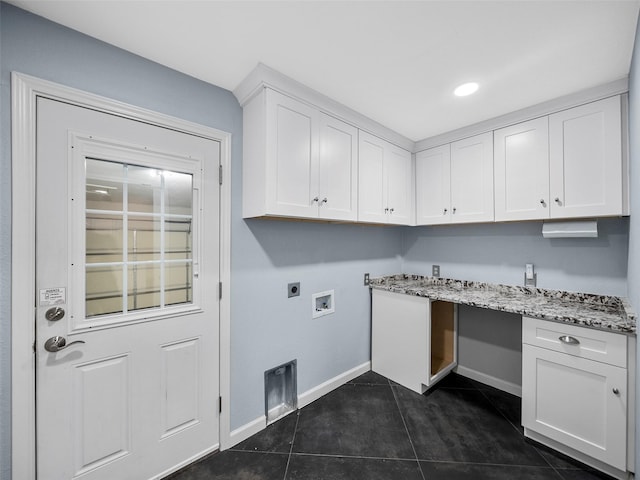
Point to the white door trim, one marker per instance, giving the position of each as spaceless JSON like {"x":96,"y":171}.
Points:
{"x":24,"y":91}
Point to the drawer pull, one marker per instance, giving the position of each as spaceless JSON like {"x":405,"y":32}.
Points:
{"x":569,"y":340}
{"x":616,"y":391}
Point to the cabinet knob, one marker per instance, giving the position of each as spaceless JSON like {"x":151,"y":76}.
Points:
{"x":454,"y":210}
{"x":616,"y":391}
{"x":315,"y":199}
{"x":391,"y":210}
{"x":557,"y":200}
{"x":324,"y":200}
{"x":542,"y":201}
{"x":445,"y":211}
{"x":386,"y":210}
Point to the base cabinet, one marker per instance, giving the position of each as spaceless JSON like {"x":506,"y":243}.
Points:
{"x":413,"y":339}
{"x":575,"y":389}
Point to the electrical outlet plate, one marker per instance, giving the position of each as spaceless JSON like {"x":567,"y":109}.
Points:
{"x":366,"y":280}
{"x":435,"y":270}
{"x":293,"y":289}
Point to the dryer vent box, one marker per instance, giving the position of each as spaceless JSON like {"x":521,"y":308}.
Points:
{"x":280,"y":391}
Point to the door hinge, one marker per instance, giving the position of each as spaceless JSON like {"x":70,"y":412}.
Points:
{"x":219,"y":290}
{"x":220,"y":174}
{"x":219,"y":404}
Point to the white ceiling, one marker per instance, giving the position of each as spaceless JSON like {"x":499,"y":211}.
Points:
{"x":396,"y":62}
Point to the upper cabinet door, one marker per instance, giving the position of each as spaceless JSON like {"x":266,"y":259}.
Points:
{"x":433,"y":179}
{"x":372,"y":188}
{"x":472,"y":179}
{"x":399,"y":186}
{"x":292,"y":157}
{"x":586,"y":160}
{"x":338,"y":188}
{"x":521,"y":164}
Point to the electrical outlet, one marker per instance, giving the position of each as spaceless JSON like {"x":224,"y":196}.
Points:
{"x":435,"y":270}
{"x":293,"y":289}
{"x":366,"y":280}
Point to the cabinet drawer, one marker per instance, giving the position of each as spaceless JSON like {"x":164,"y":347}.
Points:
{"x":582,"y":342}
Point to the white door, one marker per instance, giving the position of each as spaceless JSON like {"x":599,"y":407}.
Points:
{"x":292,"y":174}
{"x":433,"y":186}
{"x":127,"y":267}
{"x":472,"y":179}
{"x":521,"y":164}
{"x":573,"y":400}
{"x":338,"y":192}
{"x":399,"y":185}
{"x":372,"y":189}
{"x":586,"y":160}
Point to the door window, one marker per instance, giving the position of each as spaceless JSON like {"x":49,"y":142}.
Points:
{"x":139,"y":242}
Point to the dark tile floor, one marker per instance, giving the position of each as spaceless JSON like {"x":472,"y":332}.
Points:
{"x":374,"y":429}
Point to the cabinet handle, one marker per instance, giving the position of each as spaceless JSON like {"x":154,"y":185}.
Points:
{"x":616,"y":391}
{"x":569,"y":340}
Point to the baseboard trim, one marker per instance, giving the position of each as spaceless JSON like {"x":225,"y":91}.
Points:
{"x":481,"y":377}
{"x":315,"y":393}
{"x":248,"y":429}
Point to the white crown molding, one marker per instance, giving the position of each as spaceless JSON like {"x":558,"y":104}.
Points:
{"x":263,"y":76}
{"x":616,"y":87}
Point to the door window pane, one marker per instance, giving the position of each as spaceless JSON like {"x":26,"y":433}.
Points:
{"x":104,"y":185}
{"x":179,"y":188}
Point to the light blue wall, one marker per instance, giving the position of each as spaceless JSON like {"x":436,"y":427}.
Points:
{"x":498,"y":252}
{"x":267,"y":328}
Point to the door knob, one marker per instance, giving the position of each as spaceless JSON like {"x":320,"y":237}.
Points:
{"x":616,"y":391}
{"x":57,"y":343}
{"x":54,"y":314}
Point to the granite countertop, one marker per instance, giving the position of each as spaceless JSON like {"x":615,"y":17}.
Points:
{"x":602,"y":312}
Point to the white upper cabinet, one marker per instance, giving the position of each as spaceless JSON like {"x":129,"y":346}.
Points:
{"x":338,"y":184}
{"x":521,"y":168}
{"x":385,"y":180}
{"x":298,"y":162}
{"x":472,"y":179}
{"x":454,"y":183}
{"x":586,"y":168}
{"x":565,"y":165}
{"x":433,"y":186}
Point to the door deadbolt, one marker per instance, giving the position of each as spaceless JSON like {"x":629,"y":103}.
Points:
{"x":54,"y":314}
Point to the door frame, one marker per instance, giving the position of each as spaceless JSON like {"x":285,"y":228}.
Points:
{"x":25,"y":90}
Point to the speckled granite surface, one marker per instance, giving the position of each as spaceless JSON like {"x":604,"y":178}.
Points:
{"x":595,"y":311}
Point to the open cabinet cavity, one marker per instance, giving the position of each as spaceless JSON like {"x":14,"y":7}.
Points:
{"x":414,"y":340}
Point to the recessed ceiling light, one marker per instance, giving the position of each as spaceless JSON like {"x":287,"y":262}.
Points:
{"x":466,"y":89}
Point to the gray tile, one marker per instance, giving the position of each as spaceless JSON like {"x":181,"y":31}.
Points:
{"x":467,"y":471}
{"x":236,"y":465}
{"x":306,"y":467}
{"x":370,"y":378}
{"x":277,"y":437}
{"x":461,"y":425}
{"x":583,"y":475}
{"x":354,"y":420}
